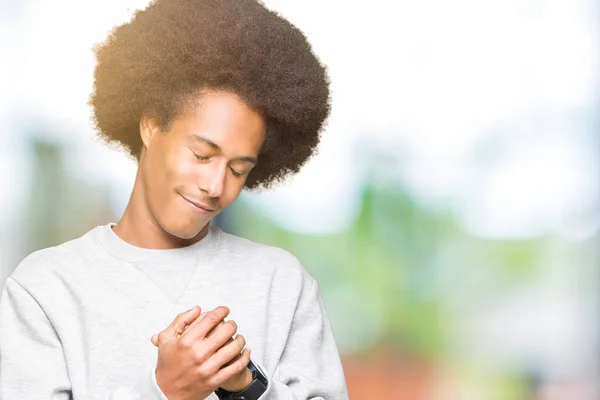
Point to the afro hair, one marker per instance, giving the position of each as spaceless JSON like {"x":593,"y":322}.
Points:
{"x":170,"y":51}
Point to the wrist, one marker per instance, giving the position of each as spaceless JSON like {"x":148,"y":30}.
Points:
{"x":253,"y":391}
{"x":240,"y":384}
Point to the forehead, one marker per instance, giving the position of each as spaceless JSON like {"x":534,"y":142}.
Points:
{"x":223,"y":118}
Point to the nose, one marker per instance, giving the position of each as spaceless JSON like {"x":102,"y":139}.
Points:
{"x":213,"y":181}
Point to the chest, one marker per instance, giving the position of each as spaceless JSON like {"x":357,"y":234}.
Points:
{"x":106,"y":326}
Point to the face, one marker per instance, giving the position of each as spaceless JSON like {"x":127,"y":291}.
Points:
{"x":199,"y":167}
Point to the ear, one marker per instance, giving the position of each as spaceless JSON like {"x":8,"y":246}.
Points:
{"x":148,"y":128}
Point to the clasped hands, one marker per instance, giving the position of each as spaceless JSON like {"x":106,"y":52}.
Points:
{"x":197,"y":354}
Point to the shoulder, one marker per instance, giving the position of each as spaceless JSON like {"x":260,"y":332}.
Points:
{"x":44,"y":265}
{"x":267,"y":260}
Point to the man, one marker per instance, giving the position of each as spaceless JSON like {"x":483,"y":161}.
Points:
{"x":210,"y":97}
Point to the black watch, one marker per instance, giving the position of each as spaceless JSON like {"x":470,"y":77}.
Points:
{"x":253,"y":391}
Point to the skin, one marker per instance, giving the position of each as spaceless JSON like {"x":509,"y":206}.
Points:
{"x":203,"y":158}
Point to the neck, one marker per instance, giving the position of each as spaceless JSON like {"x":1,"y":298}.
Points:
{"x":139,"y":228}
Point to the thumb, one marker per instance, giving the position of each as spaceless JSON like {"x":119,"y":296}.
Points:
{"x":181,"y":321}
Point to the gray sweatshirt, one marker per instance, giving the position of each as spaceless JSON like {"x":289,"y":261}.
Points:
{"x":76,"y":319}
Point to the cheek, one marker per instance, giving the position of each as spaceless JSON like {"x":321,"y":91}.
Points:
{"x":179,"y":171}
{"x":231,"y":191}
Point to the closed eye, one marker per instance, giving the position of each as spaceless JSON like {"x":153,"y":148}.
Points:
{"x":199,"y":157}
{"x":235,"y":173}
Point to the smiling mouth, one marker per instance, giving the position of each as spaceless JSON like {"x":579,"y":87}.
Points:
{"x":199,"y":206}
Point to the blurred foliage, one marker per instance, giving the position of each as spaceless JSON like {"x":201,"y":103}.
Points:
{"x":384,"y":270}
{"x":60,"y":206}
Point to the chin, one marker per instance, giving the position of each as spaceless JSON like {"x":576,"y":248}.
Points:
{"x":186,"y":231}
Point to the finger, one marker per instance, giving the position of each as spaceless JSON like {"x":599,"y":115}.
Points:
{"x":154,"y":338}
{"x":214,"y":330}
{"x":179,"y":323}
{"x":221,"y":334}
{"x":232,"y":369}
{"x":227,"y":354}
{"x":206,"y":348}
{"x":234,"y":359}
{"x":205,"y":325}
{"x":197,"y":320}
{"x":226,"y":343}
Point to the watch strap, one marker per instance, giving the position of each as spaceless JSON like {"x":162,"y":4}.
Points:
{"x":253,"y":391}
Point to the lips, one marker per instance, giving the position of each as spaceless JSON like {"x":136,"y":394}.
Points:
{"x":199,"y":205}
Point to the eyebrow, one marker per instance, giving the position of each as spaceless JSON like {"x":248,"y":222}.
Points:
{"x":218,"y":148}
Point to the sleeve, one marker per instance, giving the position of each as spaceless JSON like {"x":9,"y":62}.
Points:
{"x":310,"y":367}
{"x":32,"y":361}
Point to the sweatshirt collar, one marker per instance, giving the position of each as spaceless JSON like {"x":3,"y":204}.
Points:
{"x":128,"y":252}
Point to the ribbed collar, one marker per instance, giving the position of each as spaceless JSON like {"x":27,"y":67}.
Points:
{"x":128,"y":252}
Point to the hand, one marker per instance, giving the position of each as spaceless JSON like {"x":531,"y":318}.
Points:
{"x":198,"y":355}
{"x":237,"y":382}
